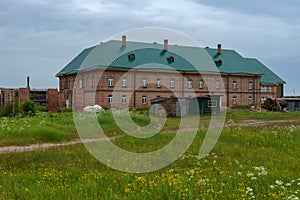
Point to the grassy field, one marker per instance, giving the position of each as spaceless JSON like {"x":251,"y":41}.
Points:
{"x":248,"y":162}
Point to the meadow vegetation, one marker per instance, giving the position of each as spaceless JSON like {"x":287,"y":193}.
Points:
{"x":248,"y":162}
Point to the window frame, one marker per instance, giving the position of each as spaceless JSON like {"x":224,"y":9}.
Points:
{"x":110,"y":99}
{"x":111,"y":81}
{"x":190,"y":84}
{"x":201,"y":84}
{"x":234,"y":100}
{"x":124,"y":82}
{"x":234,"y":85}
{"x":158,"y":83}
{"x":250,"y":85}
{"x":124,"y":99}
{"x":218,"y":85}
{"x":212,"y":103}
{"x":172,"y":83}
{"x":144,"y":83}
{"x":144,"y":100}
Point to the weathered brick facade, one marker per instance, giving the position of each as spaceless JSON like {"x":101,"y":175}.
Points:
{"x":93,"y":88}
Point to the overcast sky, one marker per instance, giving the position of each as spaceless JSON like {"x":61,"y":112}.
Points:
{"x":39,"y":37}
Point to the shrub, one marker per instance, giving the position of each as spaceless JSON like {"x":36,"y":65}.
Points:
{"x":7,"y":110}
{"x":62,"y":110}
{"x":28,"y":108}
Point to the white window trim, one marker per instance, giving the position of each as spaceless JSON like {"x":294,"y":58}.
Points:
{"x":124,"y":99}
{"x":111,"y":82}
{"x":124,"y":82}
{"x":144,"y":81}
{"x":190,"y":84}
{"x":172,"y":83}
{"x":217,"y":84}
{"x":110,"y":99}
{"x":144,"y":100}
{"x":158,"y":83}
{"x":201,"y":84}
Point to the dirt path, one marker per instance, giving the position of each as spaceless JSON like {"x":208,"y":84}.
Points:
{"x":33,"y":147}
{"x":256,"y":123}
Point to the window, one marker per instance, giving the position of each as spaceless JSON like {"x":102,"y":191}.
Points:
{"x":201,"y":84}
{"x":263,"y":99}
{"x":111,"y":81}
{"x":124,"y":82}
{"x":124,"y":99}
{"x":263,"y":89}
{"x":250,"y":100}
{"x":144,"y":100}
{"x":190,"y":83}
{"x":94,"y":82}
{"x":212,"y":103}
{"x":234,"y":86}
{"x":172,"y":83}
{"x":80,"y":83}
{"x":110,"y":99}
{"x":217,"y":84}
{"x":270,"y":89}
{"x":144,"y":83}
{"x":250,"y":85}
{"x":234,"y":100}
{"x":158,"y":83}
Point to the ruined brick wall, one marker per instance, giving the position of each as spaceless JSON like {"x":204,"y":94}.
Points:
{"x":52,"y":100}
{"x":24,"y":94}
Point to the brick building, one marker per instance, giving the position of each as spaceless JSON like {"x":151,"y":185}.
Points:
{"x":41,"y":97}
{"x":130,"y":74}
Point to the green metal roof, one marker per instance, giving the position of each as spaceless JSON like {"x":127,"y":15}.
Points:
{"x":151,"y":56}
{"x":147,"y":55}
{"x":268,"y":76}
{"x":232,"y":62}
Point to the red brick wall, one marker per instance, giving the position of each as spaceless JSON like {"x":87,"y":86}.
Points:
{"x":24,"y":94}
{"x":101,"y":90}
{"x":52,"y":100}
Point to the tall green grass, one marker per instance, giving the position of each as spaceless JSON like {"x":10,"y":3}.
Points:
{"x":246,"y":163}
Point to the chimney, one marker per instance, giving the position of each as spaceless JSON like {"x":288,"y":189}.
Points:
{"x":219,"y":51}
{"x":165,"y":45}
{"x":124,"y":41}
{"x":28,"y":82}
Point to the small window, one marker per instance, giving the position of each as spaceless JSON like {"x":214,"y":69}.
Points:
{"x":212,"y":103}
{"x":95,"y":82}
{"x":124,"y":82}
{"x":270,"y":89}
{"x":144,"y":83}
{"x":250,"y":85}
{"x":250,"y":100}
{"x":144,"y":100}
{"x":217,"y":84}
{"x":190,"y":84}
{"x":158,"y":83}
{"x":172,"y":83}
{"x":201,"y":84}
{"x":263,"y":99}
{"x":110,"y":99}
{"x":263,"y":89}
{"x":234,"y":86}
{"x":111,"y":81}
{"x":234,"y":100}
{"x":124,"y":99}
{"x":80,"y":83}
